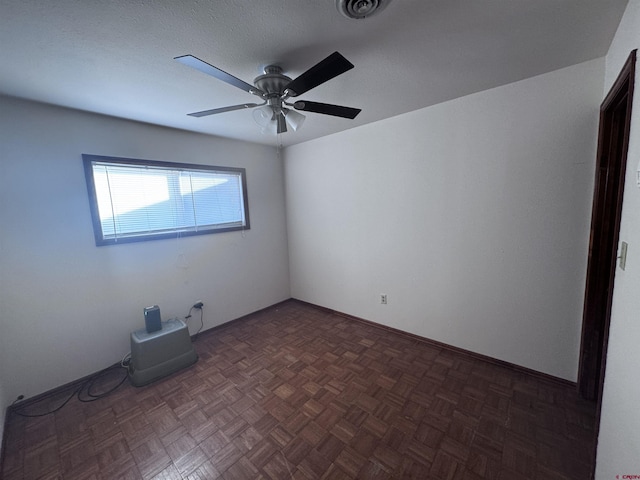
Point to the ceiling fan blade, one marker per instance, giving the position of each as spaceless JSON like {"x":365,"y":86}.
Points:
{"x":327,"y":109}
{"x":213,"y":111}
{"x":332,"y":66}
{"x":204,"y":67}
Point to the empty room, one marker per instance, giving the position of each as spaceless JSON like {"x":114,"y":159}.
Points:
{"x":337,"y":239}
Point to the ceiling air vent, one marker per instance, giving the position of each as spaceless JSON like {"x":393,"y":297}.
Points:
{"x":360,"y":9}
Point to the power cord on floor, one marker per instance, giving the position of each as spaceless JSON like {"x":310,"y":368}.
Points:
{"x":84,"y":393}
{"x":126,"y":361}
{"x":89,"y":383}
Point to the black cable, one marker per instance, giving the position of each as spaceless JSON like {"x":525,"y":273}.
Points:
{"x":88,"y":385}
{"x":201,"y":321}
{"x":188,"y":316}
{"x":34,"y":415}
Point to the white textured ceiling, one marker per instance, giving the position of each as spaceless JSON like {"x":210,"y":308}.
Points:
{"x":116,"y":56}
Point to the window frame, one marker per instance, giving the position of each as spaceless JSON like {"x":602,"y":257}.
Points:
{"x":88,"y":161}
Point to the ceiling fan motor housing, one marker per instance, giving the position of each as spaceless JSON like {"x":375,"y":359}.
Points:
{"x":361,"y":9}
{"x":273,"y":81}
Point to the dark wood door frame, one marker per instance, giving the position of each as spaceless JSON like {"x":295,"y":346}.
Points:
{"x":613,"y":143}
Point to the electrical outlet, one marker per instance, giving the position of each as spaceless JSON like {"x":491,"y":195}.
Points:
{"x":198,"y":304}
{"x":383,"y":298}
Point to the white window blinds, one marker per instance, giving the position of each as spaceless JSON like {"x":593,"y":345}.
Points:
{"x":140,"y":201}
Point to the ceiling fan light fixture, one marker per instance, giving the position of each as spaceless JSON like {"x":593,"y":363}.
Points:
{"x":265,"y":118}
{"x":263,"y":115}
{"x":272,"y":120}
{"x":361,"y":9}
{"x":293,"y":118}
{"x":270,"y":128}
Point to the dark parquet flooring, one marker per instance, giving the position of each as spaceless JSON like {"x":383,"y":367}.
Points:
{"x":296,"y":392}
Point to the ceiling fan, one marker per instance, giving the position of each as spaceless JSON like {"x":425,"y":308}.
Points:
{"x":275,"y":89}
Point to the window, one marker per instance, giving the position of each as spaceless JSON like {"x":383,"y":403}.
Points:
{"x":136,"y":200}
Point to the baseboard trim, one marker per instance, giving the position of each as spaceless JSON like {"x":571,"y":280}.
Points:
{"x":444,"y":346}
{"x":71,"y":386}
{"x":512,"y":366}
{"x":75,"y":384}
{"x":224,"y":325}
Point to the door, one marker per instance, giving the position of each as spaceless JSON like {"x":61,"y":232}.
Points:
{"x":613,"y":140}
{"x":613,"y":143}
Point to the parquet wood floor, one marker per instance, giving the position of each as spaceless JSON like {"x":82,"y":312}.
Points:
{"x":296,"y":392}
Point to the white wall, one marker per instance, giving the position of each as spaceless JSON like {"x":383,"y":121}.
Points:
{"x":67,"y":306}
{"x":472,"y":216}
{"x":619,"y":439}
